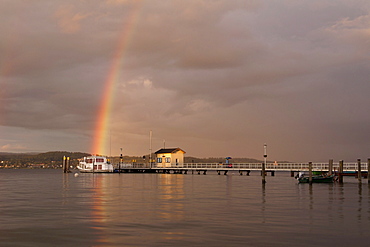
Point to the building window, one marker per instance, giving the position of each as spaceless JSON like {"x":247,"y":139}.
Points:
{"x":159,"y":160}
{"x":168,"y":160}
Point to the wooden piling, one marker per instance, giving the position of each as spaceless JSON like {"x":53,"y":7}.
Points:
{"x":340,"y":173}
{"x":368,"y":170}
{"x":310,"y":172}
{"x":67,"y":170}
{"x":263,"y":173}
{"x":65,"y":164}
{"x":359,"y":175}
{"x":330,"y":167}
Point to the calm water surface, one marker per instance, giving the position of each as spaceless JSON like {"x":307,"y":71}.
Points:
{"x":49,"y":208}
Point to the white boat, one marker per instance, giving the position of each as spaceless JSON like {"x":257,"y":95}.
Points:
{"x":95,"y":164}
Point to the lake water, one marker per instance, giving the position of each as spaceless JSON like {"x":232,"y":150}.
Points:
{"x":49,"y":208}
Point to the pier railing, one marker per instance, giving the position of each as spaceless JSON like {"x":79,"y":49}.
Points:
{"x":258,"y":166}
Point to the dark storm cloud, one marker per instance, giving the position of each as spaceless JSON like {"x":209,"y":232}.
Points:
{"x":214,"y":77}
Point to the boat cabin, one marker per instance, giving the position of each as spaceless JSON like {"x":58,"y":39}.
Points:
{"x":170,"y":157}
{"x":95,"y":164}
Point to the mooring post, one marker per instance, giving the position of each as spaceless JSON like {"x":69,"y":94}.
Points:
{"x":64,"y":161}
{"x":359,"y":170}
{"x":292,"y":173}
{"x":310,"y":172}
{"x":67,"y":165}
{"x":368,"y":170}
{"x":64,"y":164}
{"x":330,"y":167}
{"x":340,"y":175}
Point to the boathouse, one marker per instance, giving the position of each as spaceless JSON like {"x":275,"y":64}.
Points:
{"x":170,"y":157}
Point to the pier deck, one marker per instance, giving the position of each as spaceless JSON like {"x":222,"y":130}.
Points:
{"x":242,"y":168}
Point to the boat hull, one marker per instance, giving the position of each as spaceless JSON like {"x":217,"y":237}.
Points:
{"x":317,"y":179}
{"x":94,"y":171}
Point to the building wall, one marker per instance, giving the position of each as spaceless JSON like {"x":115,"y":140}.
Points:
{"x":170,"y":159}
{"x":180,"y":159}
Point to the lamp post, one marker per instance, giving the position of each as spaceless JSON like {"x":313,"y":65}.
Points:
{"x":150,"y":148}
{"x":264,"y":163}
{"x":120,"y":161}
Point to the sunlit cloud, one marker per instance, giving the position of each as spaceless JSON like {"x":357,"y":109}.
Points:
{"x":68,"y":20}
{"x":12,"y":148}
{"x":354,"y":31}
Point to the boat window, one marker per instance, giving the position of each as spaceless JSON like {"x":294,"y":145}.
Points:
{"x":99,"y":160}
{"x":89,"y":161}
{"x":168,"y":160}
{"x":159,"y":160}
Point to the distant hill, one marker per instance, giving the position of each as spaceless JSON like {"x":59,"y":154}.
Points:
{"x":48,"y":159}
{"x":48,"y":156}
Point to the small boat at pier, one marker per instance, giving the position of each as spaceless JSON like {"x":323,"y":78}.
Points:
{"x":316,"y":179}
{"x":95,"y":164}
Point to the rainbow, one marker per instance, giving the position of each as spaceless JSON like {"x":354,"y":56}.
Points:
{"x":99,"y":145}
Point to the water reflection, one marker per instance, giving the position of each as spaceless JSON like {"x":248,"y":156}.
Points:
{"x":229,"y":185}
{"x":263,"y":207}
{"x":359,"y":210}
{"x":65,"y":195}
{"x":368,"y":201}
{"x":171,"y":197}
{"x":310,"y":189}
{"x":46,"y":208}
{"x":331,"y":202}
{"x":98,"y":213}
{"x":92,"y":195}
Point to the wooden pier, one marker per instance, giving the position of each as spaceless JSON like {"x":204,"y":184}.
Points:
{"x":340,"y":169}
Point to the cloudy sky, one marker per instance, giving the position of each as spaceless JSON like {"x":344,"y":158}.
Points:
{"x":216,"y":78}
